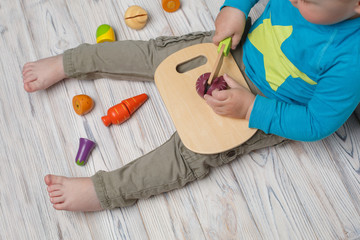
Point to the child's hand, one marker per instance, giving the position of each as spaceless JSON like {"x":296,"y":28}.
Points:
{"x":230,"y":22}
{"x":236,"y":102}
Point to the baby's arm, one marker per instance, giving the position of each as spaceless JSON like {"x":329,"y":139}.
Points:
{"x":236,"y":102}
{"x":230,"y":22}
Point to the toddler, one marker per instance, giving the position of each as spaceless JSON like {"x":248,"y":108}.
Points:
{"x":300,"y":59}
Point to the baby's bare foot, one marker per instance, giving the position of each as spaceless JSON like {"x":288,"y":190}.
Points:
{"x":72,"y":194}
{"x":43,"y":73}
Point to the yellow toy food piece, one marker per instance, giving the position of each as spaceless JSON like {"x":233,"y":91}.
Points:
{"x":136,"y":17}
{"x":105,"y":33}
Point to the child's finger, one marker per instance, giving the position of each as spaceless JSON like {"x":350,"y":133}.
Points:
{"x":218,"y":37}
{"x":235,"y":40}
{"x":219,"y":95}
{"x":231,"y":82}
{"x":217,"y":106}
{"x":212,"y":101}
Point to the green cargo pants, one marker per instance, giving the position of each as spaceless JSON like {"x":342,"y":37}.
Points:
{"x":171,"y":165}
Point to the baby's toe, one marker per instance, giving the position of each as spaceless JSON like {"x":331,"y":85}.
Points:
{"x":54,"y":179}
{"x":60,"y":206}
{"x":29,"y":76}
{"x":27,"y":67}
{"x":56,"y":200}
{"x":54,"y":187}
{"x":30,"y":87}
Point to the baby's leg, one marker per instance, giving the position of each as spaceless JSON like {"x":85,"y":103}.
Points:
{"x":43,"y":73}
{"x":129,"y":59}
{"x":168,"y":167}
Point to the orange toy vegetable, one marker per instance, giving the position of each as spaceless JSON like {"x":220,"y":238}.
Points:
{"x":82,"y":104}
{"x":121,"y":112}
{"x":170,"y":5}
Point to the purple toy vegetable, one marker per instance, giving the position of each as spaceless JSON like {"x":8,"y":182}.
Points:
{"x":202,"y":87}
{"x":83,"y":153}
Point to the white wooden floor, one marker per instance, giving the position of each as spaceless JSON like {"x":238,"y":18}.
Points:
{"x":294,"y":191}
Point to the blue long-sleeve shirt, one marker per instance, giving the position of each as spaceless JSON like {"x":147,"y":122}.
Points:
{"x":309,"y":73}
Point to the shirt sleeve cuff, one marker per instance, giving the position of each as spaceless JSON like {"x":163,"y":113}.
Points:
{"x":244,"y":6}
{"x":262,"y":113}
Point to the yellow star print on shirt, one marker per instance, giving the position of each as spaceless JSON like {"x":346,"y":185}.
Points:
{"x":268,"y":40}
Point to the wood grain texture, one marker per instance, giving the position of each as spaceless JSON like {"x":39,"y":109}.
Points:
{"x":293,"y":191}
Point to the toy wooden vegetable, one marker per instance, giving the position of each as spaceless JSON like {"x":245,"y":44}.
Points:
{"x":136,"y":17}
{"x":170,"y":5}
{"x":122,"y":111}
{"x":105,"y":33}
{"x":83,"y":153}
{"x":202,"y":87}
{"x":82,"y":104}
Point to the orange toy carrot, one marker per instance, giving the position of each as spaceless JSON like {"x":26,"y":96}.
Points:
{"x":170,"y":5}
{"x":122,"y":111}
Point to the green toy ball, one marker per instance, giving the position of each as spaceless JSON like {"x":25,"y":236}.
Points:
{"x":105,"y":33}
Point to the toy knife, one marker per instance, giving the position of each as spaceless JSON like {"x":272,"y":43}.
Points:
{"x":223,"y":50}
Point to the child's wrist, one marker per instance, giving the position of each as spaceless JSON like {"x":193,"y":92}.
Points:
{"x":248,"y":113}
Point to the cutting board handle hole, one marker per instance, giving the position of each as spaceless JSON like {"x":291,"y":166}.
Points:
{"x":191,"y":64}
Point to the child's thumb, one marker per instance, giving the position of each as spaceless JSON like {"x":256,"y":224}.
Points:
{"x":217,"y":38}
{"x":231,"y":82}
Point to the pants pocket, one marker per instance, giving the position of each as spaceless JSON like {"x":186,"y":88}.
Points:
{"x":229,"y":156}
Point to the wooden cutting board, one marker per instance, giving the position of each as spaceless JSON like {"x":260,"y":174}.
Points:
{"x":200,"y":129}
